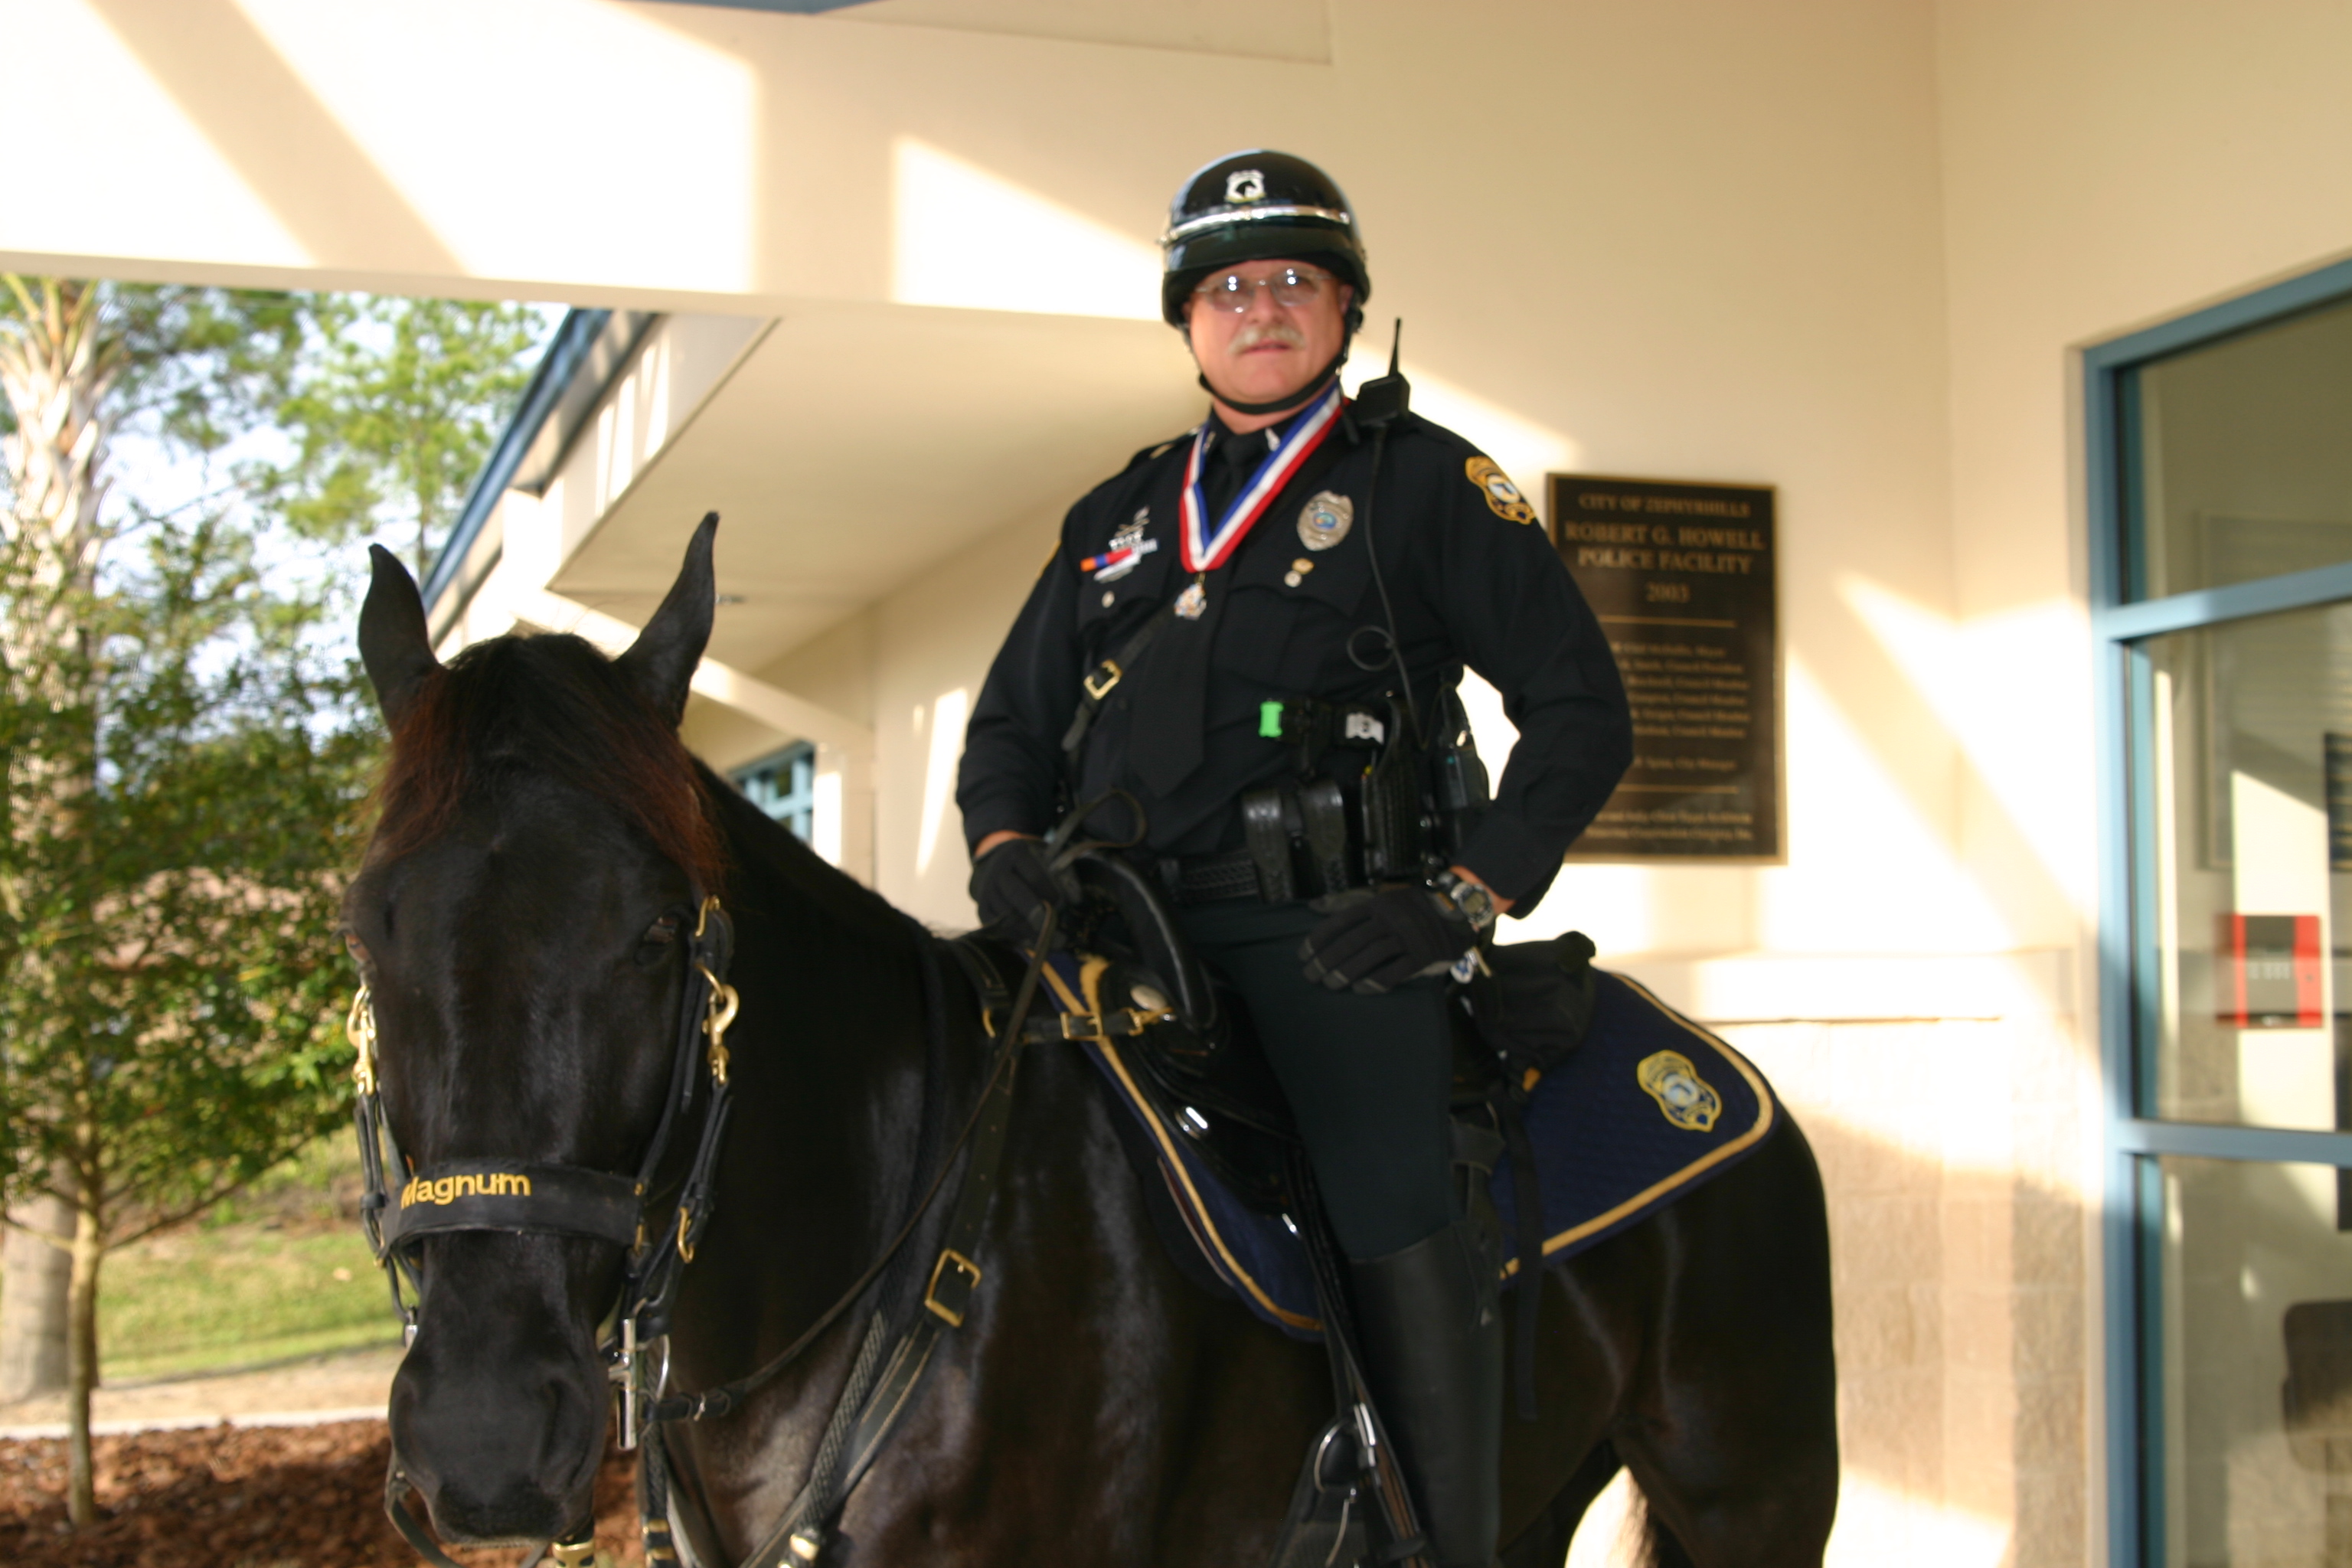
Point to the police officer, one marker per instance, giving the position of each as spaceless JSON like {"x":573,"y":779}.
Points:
{"x":1258,"y":619}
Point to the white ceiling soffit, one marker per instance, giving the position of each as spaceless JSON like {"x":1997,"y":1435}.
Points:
{"x":858,"y":446}
{"x":1267,"y":29}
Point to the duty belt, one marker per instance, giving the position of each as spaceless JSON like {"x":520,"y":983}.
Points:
{"x":1210,"y":879}
{"x":1299,"y":847}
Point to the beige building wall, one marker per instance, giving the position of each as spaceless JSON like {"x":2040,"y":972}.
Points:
{"x":1842,"y":246}
{"x":2105,"y":166}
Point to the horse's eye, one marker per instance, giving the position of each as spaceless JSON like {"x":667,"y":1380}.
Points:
{"x":357,"y":949}
{"x":660,"y":938}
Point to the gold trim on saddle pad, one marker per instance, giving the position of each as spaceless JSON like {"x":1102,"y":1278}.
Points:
{"x":1090,"y":973}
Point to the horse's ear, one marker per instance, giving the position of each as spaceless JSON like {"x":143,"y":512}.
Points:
{"x":661,"y":662}
{"x":395,"y":644}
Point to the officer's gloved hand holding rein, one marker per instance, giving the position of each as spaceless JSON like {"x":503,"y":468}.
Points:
{"x":1013,"y":884}
{"x":1374,"y":943}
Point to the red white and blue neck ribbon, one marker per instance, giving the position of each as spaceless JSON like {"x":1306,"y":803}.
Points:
{"x":1202,"y":551}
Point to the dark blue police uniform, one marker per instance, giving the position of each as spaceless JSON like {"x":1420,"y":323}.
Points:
{"x":1295,"y":613}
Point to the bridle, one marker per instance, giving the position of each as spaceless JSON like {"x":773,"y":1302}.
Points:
{"x":521,"y":1197}
{"x":529,"y":1198}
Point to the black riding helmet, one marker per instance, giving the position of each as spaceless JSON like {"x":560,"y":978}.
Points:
{"x":1259,"y":206}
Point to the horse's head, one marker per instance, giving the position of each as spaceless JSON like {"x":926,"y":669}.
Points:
{"x":522,"y":921}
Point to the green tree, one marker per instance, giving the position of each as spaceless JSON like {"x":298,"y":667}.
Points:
{"x":398,"y":415}
{"x":184,"y":768}
{"x":79,"y":362}
{"x":169,"y":1005}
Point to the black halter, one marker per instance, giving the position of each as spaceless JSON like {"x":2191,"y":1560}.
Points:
{"x":527,"y":1198}
{"x":507,"y":1195}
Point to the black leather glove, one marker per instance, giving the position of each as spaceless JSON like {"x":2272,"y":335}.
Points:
{"x":1013,"y":884}
{"x":1370,"y":945}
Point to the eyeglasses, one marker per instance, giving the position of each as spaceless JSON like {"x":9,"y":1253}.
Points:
{"x":1291,"y":287}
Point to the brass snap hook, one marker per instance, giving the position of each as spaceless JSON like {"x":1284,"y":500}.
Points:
{"x":359,"y":1027}
{"x":719,"y":1014}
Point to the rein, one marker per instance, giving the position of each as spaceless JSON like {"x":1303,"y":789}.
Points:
{"x":527,"y":1198}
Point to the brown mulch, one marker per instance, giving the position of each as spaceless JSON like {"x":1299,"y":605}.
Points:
{"x":241,"y":1497}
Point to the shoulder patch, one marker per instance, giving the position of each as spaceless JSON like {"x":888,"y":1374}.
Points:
{"x":1502,"y":497}
{"x":1151,"y":454}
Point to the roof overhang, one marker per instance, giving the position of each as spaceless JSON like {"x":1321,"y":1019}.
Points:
{"x":851,"y":446}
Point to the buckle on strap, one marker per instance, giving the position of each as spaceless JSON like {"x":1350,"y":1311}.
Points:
{"x":1101,"y":678}
{"x":960,"y":1285}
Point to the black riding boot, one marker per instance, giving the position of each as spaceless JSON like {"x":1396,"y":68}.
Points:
{"x":1433,"y":1334}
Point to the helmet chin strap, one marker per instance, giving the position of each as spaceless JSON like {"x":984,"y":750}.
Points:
{"x":1313,"y":385}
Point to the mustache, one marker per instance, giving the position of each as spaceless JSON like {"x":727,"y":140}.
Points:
{"x":1258,"y":332}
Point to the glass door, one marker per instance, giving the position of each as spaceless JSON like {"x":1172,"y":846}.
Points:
{"x":2225,"y":473}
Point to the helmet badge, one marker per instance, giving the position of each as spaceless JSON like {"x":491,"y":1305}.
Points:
{"x":1246,"y":186}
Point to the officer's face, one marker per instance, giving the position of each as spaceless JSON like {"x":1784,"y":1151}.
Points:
{"x":1266,"y":351}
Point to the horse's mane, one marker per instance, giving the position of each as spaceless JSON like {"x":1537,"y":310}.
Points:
{"x":548,"y":706}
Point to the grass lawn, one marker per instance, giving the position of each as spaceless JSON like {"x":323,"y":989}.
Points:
{"x":234,"y":1295}
{"x":278,"y":1272}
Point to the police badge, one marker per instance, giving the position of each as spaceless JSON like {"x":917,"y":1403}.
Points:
{"x":1325,"y":520}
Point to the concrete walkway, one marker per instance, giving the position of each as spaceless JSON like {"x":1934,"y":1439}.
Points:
{"x":348,"y":1387}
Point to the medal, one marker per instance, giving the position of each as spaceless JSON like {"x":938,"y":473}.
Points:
{"x":1202,"y":550}
{"x":1194,"y":600}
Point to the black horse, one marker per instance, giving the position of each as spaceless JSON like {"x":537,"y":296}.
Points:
{"x":544,"y":845}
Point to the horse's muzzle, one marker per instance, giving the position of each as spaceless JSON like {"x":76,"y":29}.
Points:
{"x":502,"y":1454}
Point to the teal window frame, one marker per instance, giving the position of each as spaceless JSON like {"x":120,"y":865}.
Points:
{"x":2121,"y":622}
{"x":795,"y":805}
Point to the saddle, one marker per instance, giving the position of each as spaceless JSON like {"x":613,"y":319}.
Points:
{"x":1191,"y":1057}
{"x":1203,"y":1071}
{"x":1582,"y":1105}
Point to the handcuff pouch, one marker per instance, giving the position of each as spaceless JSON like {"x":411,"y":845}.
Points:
{"x":1267,"y":816}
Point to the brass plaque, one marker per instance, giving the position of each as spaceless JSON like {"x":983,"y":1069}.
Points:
{"x":1682,"y":576}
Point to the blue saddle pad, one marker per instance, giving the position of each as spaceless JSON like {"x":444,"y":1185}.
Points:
{"x":1647,"y":1109}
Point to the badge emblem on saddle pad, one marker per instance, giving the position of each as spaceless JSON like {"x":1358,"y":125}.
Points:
{"x":1325,"y":520}
{"x":1682,"y":1095}
{"x":1504,"y":498}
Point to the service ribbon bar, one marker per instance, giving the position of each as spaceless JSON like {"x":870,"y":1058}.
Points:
{"x":1207,"y":552}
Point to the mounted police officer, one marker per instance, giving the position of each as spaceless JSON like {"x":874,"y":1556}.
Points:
{"x":1256,"y":631}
